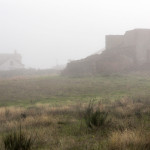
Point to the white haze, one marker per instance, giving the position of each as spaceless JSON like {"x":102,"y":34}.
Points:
{"x":50,"y":32}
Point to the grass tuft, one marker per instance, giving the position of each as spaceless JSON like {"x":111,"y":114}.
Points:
{"x":17,"y":141}
{"x":94,"y":117}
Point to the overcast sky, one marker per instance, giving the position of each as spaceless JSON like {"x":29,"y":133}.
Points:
{"x":50,"y":32}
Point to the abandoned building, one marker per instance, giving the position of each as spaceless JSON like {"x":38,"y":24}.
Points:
{"x":122,"y":53}
{"x":10,"y":62}
{"x":135,"y":41}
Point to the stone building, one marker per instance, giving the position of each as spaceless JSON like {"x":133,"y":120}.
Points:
{"x":10,"y":62}
{"x":135,"y":41}
{"x":123,"y":53}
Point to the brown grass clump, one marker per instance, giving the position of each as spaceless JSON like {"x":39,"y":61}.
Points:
{"x":129,"y":140}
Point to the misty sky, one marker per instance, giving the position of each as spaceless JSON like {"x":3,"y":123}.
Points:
{"x":50,"y":32}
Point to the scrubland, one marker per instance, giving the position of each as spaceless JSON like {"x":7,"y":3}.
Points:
{"x":94,"y":113}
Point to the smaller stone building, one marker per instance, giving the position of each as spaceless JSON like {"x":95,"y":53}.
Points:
{"x":10,"y":62}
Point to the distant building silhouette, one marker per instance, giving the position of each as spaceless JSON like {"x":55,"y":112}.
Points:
{"x":10,"y":62}
{"x":123,"y":53}
{"x":135,"y":41}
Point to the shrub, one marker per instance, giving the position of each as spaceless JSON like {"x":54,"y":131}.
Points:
{"x":94,"y":117}
{"x":17,"y":141}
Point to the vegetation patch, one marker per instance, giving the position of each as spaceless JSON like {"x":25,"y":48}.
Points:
{"x":59,"y":114}
{"x":17,"y":141}
{"x":94,"y":117}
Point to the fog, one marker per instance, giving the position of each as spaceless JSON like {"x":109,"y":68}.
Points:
{"x":50,"y":32}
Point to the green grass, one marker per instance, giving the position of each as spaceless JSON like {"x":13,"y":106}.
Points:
{"x":61,"y":90}
{"x":55,"y":111}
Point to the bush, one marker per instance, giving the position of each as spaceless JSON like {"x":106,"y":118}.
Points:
{"x":17,"y":141}
{"x":94,"y":118}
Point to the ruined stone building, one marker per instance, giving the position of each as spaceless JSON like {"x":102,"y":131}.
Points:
{"x":136,"y":42}
{"x":122,"y":53}
{"x":10,"y":62}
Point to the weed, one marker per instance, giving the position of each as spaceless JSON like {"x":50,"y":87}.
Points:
{"x":17,"y":141}
{"x":94,"y":118}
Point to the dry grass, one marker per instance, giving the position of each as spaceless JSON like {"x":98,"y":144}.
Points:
{"x":129,"y":139}
{"x":47,"y":110}
{"x":63,"y":127}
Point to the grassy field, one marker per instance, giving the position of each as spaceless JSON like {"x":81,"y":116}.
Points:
{"x":58,"y":90}
{"x":54,"y":112}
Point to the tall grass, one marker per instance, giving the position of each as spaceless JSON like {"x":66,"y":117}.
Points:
{"x":129,"y":139}
{"x":63,"y":127}
{"x":94,"y":117}
{"x":17,"y":141}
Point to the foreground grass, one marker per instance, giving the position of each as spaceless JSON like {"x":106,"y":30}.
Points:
{"x":51,"y":111}
{"x":64,"y":128}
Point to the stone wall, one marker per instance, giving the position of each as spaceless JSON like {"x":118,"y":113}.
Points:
{"x":143,"y":46}
{"x":113,"y":41}
{"x":135,"y":41}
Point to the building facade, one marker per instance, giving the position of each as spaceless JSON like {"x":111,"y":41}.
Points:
{"x":135,"y":41}
{"x":10,"y":62}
